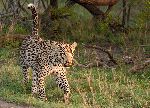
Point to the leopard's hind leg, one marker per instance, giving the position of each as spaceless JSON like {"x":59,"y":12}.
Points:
{"x":25,"y":80}
{"x":25,"y":73}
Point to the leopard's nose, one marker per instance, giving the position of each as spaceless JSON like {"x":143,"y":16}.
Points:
{"x":68,"y":64}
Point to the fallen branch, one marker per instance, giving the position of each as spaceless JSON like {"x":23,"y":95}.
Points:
{"x":90,"y":65}
{"x":139,"y":67}
{"x":103,"y":50}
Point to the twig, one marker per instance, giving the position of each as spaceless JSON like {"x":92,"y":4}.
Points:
{"x":23,"y":2}
{"x":43,"y":4}
{"x":78,"y":64}
{"x":4,"y":5}
{"x":22,"y":8}
{"x":47,"y":3}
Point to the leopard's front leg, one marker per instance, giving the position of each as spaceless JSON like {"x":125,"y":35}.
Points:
{"x":62,"y":82}
{"x":34,"y":83}
{"x":41,"y":88}
{"x":67,"y":97}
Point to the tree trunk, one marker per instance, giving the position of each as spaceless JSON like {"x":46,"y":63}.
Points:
{"x":1,"y":27}
{"x":124,"y":15}
{"x":128,"y":15}
{"x":54,"y":3}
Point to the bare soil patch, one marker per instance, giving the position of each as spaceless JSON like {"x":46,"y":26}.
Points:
{"x":4,"y":104}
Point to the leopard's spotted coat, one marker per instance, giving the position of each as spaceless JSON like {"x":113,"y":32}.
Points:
{"x":45,"y":58}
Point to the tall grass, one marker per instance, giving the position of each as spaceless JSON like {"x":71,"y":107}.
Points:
{"x":95,"y":87}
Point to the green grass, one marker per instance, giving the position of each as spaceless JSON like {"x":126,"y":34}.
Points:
{"x":96,"y":87}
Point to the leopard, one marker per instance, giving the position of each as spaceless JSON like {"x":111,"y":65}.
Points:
{"x":45,"y":58}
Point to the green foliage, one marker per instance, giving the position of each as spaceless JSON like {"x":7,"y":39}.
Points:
{"x":142,"y":19}
{"x":19,"y":29}
{"x":61,"y":11}
{"x":102,"y":27}
{"x":9,"y":39}
{"x":4,"y":54}
{"x":11,"y":44}
{"x":5,"y":29}
{"x":57,"y":27}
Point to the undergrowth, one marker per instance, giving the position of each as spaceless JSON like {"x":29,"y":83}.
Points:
{"x":95,"y":87}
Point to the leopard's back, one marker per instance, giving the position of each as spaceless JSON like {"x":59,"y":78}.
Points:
{"x":54,"y":53}
{"x":29,"y":51}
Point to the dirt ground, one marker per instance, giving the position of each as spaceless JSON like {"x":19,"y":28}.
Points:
{"x":4,"y":104}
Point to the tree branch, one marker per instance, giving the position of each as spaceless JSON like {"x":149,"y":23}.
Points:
{"x":142,"y":66}
{"x":103,"y":50}
{"x":94,"y":10}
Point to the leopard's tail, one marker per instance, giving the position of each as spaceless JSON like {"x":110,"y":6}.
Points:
{"x":32,"y":7}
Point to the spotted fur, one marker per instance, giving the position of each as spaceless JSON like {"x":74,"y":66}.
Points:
{"x":45,"y":57}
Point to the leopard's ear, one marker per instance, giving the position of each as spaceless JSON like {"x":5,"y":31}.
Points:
{"x":73,"y":46}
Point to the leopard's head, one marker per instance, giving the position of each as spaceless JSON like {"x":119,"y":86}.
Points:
{"x":69,"y":54}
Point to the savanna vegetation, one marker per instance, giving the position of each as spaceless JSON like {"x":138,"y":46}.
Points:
{"x":112,"y":68}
